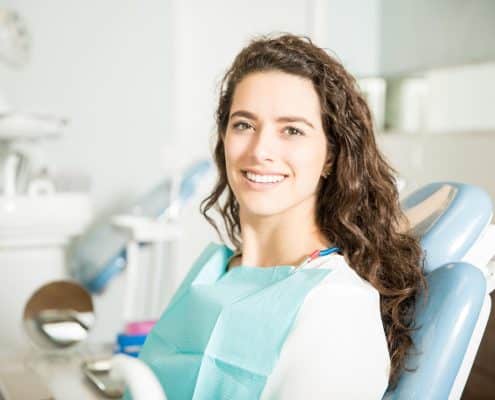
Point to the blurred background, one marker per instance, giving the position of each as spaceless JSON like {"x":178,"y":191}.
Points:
{"x":109,"y":99}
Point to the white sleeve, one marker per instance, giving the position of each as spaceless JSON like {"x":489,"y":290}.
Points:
{"x":337,"y":347}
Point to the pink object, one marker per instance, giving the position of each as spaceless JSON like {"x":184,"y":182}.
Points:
{"x":139,"y":327}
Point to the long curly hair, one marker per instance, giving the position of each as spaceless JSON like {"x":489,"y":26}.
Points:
{"x":358,"y":205}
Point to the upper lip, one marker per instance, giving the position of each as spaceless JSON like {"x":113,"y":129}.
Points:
{"x":258,"y":172}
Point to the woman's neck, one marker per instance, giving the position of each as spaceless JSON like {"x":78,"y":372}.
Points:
{"x":278,"y":240}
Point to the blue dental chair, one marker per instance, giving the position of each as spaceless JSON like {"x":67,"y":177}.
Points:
{"x":453,"y":222}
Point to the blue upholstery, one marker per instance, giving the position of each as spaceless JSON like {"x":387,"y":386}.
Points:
{"x":457,"y":292}
{"x":455,"y":229}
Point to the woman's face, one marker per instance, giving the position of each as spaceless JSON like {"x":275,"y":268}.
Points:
{"x":275,"y":146}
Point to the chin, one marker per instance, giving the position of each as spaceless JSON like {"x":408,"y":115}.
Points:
{"x":263,"y":210}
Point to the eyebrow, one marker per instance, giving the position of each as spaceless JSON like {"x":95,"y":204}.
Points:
{"x":289,"y":118}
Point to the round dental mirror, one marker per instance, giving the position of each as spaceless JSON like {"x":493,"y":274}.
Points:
{"x":59,"y":315}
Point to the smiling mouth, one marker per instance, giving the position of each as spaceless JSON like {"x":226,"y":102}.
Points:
{"x":258,"y":180}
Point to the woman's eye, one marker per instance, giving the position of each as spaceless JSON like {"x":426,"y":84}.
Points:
{"x":241,"y":126}
{"x":294,"y":131}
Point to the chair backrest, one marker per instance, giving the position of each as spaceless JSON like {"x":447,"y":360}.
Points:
{"x":449,"y":218}
{"x":446,"y":324}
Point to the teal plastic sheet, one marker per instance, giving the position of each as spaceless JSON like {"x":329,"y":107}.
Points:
{"x":222,"y":333}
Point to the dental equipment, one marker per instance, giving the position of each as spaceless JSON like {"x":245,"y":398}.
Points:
{"x":15,"y":41}
{"x":63,"y":328}
{"x":98,"y":371}
{"x":37,"y":222}
{"x":57,"y":318}
{"x":59,"y":315}
{"x":101,"y":254}
{"x":20,"y":136}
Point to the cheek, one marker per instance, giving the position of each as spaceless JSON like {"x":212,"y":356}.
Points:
{"x":309,"y":163}
{"x":234,"y":149}
{"x":233,"y":152}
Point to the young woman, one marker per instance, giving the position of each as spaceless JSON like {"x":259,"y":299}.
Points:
{"x":318,"y":300}
{"x":301,"y":170}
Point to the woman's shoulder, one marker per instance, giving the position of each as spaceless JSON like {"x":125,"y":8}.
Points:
{"x":342,"y":277}
{"x":343,"y":294}
{"x":348,"y":304}
{"x":337,"y":340}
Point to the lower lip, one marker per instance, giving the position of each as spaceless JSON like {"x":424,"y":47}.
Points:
{"x":261,"y":185}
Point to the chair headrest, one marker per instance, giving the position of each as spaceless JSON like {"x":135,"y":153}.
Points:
{"x":448,"y":218}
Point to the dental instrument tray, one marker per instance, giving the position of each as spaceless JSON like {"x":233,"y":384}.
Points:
{"x":98,"y":372}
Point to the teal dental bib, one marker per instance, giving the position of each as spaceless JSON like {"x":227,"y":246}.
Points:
{"x":221,"y":335}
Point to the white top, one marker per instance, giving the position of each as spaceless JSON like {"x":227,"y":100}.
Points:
{"x":337,"y":347}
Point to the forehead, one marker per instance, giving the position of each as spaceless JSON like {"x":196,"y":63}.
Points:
{"x":275,"y":93}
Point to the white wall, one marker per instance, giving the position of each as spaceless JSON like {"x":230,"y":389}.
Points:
{"x":424,"y":34}
{"x":461,"y":99}
{"x":354,"y":34}
{"x":423,"y":158}
{"x":450,"y":43}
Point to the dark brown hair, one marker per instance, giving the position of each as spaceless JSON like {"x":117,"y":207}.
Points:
{"x":358,"y":205}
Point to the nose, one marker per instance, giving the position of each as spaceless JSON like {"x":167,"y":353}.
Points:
{"x":263,"y":145}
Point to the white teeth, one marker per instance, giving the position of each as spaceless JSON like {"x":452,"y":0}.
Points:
{"x":264,"y":178}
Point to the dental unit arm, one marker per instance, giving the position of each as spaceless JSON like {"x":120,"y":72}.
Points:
{"x":100,"y":255}
{"x":154,"y":232}
{"x":453,"y":222}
